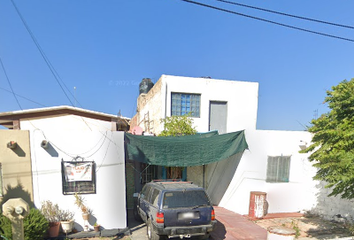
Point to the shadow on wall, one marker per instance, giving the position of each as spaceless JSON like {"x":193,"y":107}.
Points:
{"x":219,"y":176}
{"x":49,"y":149}
{"x":19,"y":151}
{"x":332,"y":208}
{"x":16,"y":192}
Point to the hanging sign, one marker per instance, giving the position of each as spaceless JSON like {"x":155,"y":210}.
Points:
{"x":78,"y":171}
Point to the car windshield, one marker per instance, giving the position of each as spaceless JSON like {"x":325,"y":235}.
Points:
{"x":180,"y":199}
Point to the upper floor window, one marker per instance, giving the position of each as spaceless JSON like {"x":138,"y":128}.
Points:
{"x":278,"y":169}
{"x":185,"y":103}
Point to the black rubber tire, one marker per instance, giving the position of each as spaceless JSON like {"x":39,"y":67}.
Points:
{"x":136,"y":214}
{"x":205,"y":237}
{"x":152,"y":235}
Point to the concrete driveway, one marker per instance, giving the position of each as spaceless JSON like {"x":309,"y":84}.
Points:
{"x":230,"y":226}
{"x":138,"y":229}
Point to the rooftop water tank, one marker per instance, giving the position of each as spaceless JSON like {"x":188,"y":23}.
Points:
{"x":145,"y":85}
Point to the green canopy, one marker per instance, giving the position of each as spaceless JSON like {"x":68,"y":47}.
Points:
{"x":183,"y":151}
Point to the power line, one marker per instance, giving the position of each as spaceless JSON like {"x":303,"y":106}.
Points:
{"x":8,"y":80}
{"x":286,"y":14}
{"x":4,"y":89}
{"x":269,"y":21}
{"x":50,"y":66}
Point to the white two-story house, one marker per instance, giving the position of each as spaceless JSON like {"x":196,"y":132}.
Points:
{"x":272,"y":164}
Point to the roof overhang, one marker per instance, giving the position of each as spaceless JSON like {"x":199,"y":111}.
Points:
{"x":10,"y":119}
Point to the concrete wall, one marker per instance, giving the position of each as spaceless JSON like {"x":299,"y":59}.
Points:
{"x":296,"y":195}
{"x":67,"y":122}
{"x":69,"y":137}
{"x":16,"y":165}
{"x":332,"y":208}
{"x":241,"y":98}
{"x":150,"y":109}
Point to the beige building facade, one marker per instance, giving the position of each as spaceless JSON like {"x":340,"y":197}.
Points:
{"x":15,"y":164}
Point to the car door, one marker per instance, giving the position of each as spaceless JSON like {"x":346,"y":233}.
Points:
{"x":153,"y":207}
{"x":143,"y":202}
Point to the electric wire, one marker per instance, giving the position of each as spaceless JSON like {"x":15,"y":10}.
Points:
{"x":286,"y":14}
{"x":8,"y":80}
{"x":269,"y":21}
{"x":73,"y":155}
{"x":104,"y":157}
{"x":50,"y":66}
{"x":6,"y":90}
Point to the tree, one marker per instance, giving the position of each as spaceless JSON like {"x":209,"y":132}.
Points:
{"x":178,"y":126}
{"x":332,"y":148}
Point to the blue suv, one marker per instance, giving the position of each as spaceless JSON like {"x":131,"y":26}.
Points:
{"x":175,"y":209}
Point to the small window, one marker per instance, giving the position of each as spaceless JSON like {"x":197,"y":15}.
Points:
{"x":278,"y":169}
{"x":183,"y":104}
{"x":182,"y":199}
{"x":145,"y":192}
{"x":78,"y":177}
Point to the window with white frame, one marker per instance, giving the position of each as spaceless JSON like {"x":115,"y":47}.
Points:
{"x":185,"y":103}
{"x":278,"y":169}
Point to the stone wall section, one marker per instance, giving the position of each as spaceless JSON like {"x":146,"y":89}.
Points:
{"x":334,"y":207}
{"x":150,"y":109}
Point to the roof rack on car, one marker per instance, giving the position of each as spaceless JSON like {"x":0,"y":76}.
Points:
{"x":171,"y":181}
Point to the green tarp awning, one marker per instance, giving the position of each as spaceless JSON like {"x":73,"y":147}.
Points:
{"x":183,"y":151}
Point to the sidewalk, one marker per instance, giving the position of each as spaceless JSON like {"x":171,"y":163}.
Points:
{"x":233,"y":226}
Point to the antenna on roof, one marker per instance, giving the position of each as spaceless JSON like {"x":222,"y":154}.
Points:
{"x":75,"y":96}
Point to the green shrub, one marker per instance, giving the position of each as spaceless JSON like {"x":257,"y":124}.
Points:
{"x":5,"y":224}
{"x":35,"y":225}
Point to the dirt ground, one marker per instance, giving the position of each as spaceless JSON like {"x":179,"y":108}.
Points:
{"x":310,"y":227}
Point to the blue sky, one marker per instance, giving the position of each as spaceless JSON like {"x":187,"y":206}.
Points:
{"x":104,"y":49}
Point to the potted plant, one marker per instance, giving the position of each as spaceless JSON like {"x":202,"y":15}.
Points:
{"x":96,"y":226}
{"x":52,"y":213}
{"x":67,"y":221}
{"x":80,"y":203}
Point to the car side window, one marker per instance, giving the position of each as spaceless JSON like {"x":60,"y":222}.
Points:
{"x":154,"y":197}
{"x":145,"y":192}
{"x":148,"y":194}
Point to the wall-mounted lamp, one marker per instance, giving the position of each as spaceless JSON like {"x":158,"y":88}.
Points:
{"x":45,"y":144}
{"x":302,"y":144}
{"x":12,"y":144}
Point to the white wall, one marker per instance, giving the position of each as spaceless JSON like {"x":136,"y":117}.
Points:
{"x":66,"y":122}
{"x":72,"y":136}
{"x":250,"y":175}
{"x":297,"y":195}
{"x":330,"y":207}
{"x":241,"y":98}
